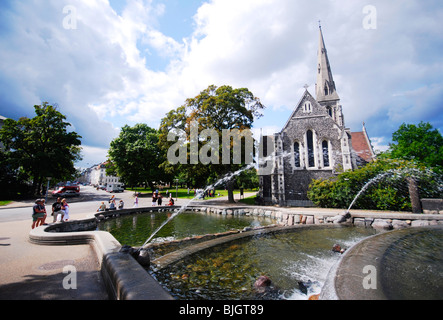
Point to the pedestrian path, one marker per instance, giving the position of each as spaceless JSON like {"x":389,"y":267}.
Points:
{"x":33,"y":272}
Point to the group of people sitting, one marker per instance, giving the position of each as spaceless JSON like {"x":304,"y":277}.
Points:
{"x":112,"y":205}
{"x":60,"y":212}
{"x":157,"y":199}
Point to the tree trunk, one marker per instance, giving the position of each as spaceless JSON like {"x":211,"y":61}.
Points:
{"x":414,"y":195}
{"x":230,"y":187}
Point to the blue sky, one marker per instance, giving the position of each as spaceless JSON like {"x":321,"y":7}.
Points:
{"x":132,"y":61}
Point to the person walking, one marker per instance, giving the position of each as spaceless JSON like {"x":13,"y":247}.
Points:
{"x":136,"y":201}
{"x":154,"y":199}
{"x":159,"y":199}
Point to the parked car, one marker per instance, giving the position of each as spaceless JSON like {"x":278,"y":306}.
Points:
{"x":67,"y":191}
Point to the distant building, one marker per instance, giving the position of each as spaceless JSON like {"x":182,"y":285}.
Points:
{"x":96,"y":175}
{"x":313,"y":144}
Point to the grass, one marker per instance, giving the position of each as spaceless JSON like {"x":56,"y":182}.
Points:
{"x":5,"y":202}
{"x":182,"y":193}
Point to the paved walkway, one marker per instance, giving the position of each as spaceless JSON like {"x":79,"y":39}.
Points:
{"x":34,"y":272}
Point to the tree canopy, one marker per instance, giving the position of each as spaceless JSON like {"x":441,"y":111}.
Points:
{"x":41,"y":147}
{"x":216,"y":110}
{"x":421,"y":143}
{"x":135,"y":156}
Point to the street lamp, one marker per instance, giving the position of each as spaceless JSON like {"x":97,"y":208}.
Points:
{"x":47,"y":189}
{"x":176,"y":189}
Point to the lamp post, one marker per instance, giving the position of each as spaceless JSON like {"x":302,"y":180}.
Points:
{"x":176,"y":189}
{"x":47,"y":189}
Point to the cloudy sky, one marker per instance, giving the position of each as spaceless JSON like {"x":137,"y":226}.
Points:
{"x":111,"y":63}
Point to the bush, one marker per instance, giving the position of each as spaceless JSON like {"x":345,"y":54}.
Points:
{"x":385,"y":183}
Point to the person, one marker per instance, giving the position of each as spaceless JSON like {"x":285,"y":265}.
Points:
{"x":154,"y":199}
{"x":64,"y":212}
{"x":102,"y":207}
{"x":171,"y":201}
{"x":136,"y":201}
{"x":112,"y":198}
{"x":56,"y":208}
{"x":121,"y":205}
{"x":38,"y":213}
{"x":159,"y":199}
{"x":112,"y":205}
{"x":65,"y":209}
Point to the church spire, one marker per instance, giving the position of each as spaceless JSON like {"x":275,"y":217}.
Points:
{"x":325,"y":86}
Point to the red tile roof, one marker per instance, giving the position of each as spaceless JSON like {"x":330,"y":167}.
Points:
{"x":362,"y":146}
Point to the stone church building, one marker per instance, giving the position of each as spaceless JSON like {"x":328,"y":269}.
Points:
{"x":313,"y":144}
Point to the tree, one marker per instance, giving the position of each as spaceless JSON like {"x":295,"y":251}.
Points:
{"x":219,"y":110}
{"x":42,"y":146}
{"x":421,"y":143}
{"x":135,"y":156}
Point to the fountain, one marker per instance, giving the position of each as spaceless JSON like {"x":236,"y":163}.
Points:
{"x":229,"y":271}
{"x":184,"y":207}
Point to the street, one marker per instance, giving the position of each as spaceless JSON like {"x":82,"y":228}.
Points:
{"x":87,"y":203}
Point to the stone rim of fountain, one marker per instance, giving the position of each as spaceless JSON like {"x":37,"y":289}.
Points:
{"x":345,"y":278}
{"x":106,"y":246}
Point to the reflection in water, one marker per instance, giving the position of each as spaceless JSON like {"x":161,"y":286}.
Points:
{"x":135,"y":229}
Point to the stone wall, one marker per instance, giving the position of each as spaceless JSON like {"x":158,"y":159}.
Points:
{"x":290,"y":217}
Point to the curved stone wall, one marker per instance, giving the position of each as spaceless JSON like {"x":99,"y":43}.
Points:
{"x":121,"y":284}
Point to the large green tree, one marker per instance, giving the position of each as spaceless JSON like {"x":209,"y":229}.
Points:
{"x":216,"y":110}
{"x":135,"y":156}
{"x":42,"y":146}
{"x":421,"y":143}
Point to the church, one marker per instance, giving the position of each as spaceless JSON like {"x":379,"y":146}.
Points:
{"x":313,"y":144}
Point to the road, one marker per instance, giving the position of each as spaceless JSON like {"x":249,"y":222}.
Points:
{"x":87,"y":203}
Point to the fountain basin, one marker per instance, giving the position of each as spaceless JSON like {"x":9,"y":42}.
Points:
{"x":227,"y":268}
{"x":397,"y":265}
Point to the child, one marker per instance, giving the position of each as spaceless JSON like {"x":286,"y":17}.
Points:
{"x":65,"y":209}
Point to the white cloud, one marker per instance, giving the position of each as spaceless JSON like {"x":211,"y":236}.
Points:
{"x":100,"y":73}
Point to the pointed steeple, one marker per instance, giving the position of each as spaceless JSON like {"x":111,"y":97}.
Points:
{"x":325,"y":86}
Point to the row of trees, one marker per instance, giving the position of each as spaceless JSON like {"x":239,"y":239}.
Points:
{"x":414,"y":157}
{"x":35,"y":149}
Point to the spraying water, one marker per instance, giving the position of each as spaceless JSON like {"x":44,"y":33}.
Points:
{"x":184,"y":207}
{"x":228,"y":177}
{"x":397,"y":174}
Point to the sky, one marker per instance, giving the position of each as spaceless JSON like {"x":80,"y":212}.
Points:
{"x":112,"y":63}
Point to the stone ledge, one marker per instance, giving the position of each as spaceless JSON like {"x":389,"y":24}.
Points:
{"x":124,"y":277}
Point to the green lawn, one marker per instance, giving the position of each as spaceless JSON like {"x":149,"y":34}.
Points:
{"x":183,"y":192}
{"x":4,"y":202}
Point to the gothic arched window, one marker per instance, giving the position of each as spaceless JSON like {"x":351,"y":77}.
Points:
{"x":329,"y":109}
{"x":311,"y":157}
{"x":325,"y":148}
{"x":297,"y":154}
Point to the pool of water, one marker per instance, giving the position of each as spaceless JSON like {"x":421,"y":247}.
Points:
{"x":133,"y":230}
{"x":229,"y":271}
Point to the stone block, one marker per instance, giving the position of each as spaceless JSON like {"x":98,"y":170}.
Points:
{"x":399,"y":224}
{"x":310,"y":220}
{"x":381,"y":224}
